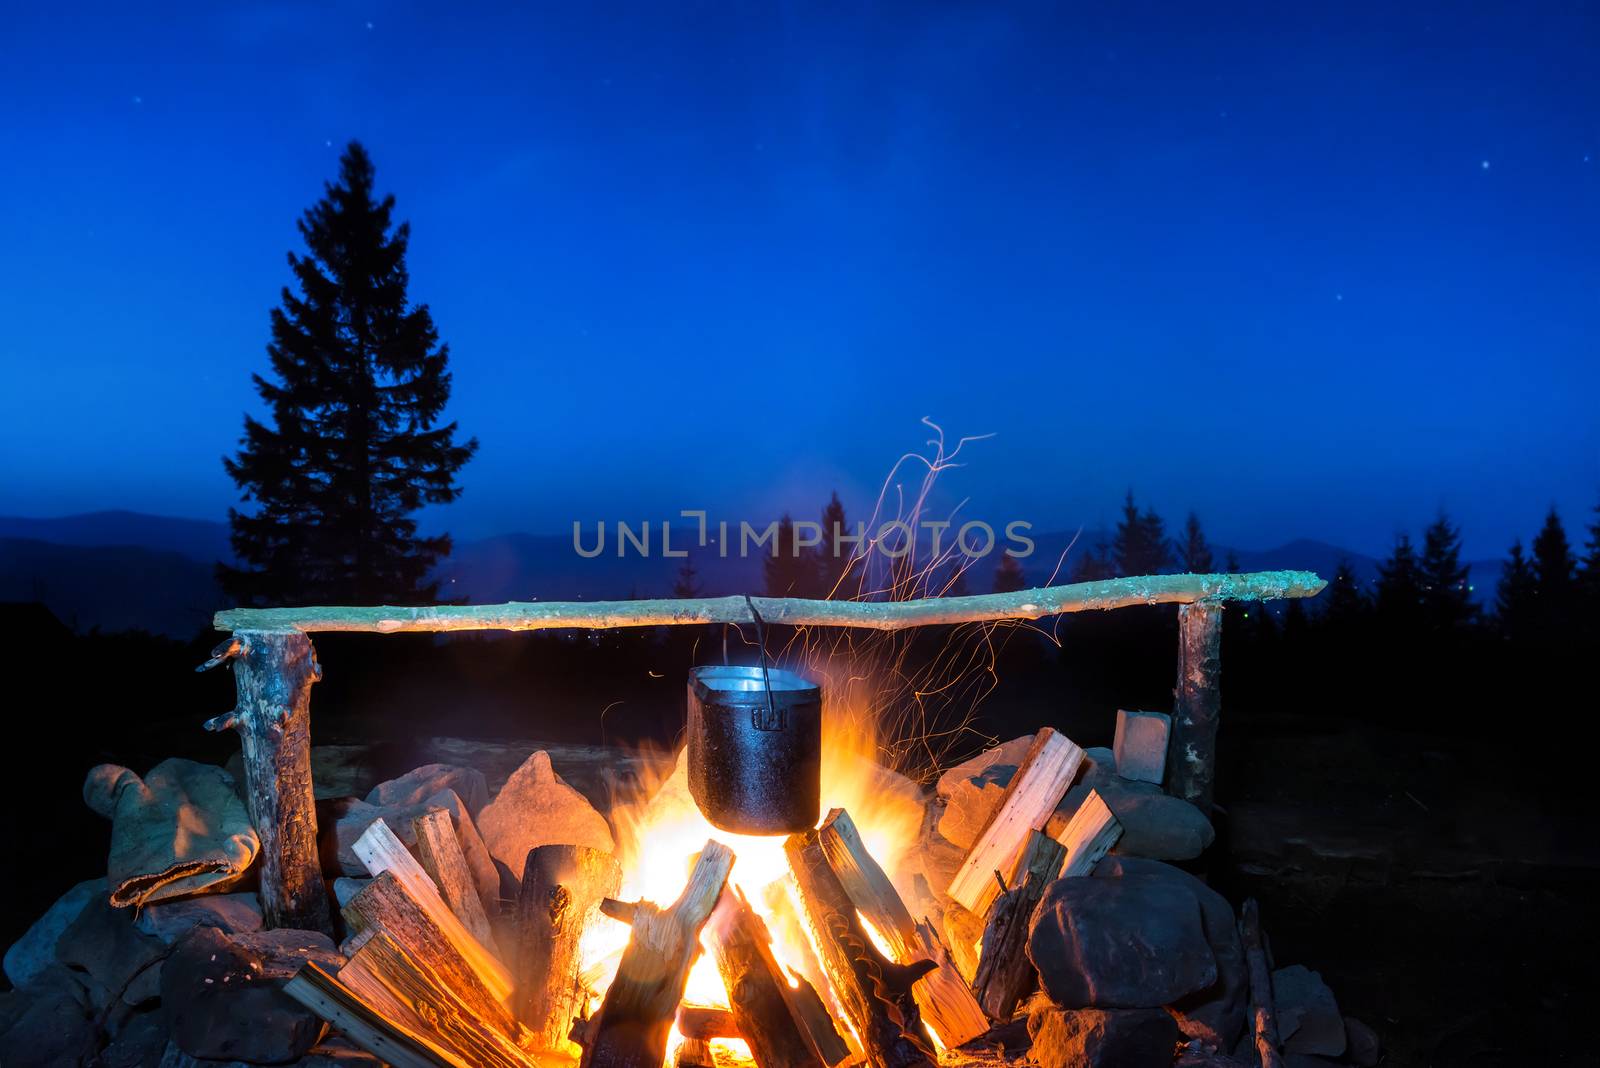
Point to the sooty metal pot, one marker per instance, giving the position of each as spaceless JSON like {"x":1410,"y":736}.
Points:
{"x":755,"y":755}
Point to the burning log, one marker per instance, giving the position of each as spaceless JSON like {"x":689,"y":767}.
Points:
{"x":272,"y":677}
{"x":382,"y":852}
{"x":963,"y":931}
{"x":947,"y":1005}
{"x":636,"y":1017}
{"x":757,"y":990}
{"x":407,"y":990}
{"x":786,"y":611}
{"x":1191,"y":760}
{"x":705,"y":1022}
{"x":876,"y":991}
{"x":561,"y":890}
{"x":1264,"y":1020}
{"x":384,"y":905}
{"x":1037,"y":787}
{"x":695,"y":1053}
{"x":1005,"y":974}
{"x":372,"y":1029}
{"x":439,"y":851}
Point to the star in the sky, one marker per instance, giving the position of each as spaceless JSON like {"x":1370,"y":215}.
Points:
{"x":1484,"y":165}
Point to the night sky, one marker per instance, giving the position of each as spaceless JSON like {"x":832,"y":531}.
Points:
{"x":1310,"y":270}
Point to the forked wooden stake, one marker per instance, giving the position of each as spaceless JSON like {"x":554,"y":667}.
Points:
{"x":1005,"y":974}
{"x":631,"y":1029}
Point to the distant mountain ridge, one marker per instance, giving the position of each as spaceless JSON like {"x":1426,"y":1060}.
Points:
{"x":118,"y":570}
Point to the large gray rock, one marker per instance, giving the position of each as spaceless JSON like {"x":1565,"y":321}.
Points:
{"x":419,"y":784}
{"x":972,"y":790}
{"x":1101,"y":1038}
{"x":35,"y":952}
{"x":1217,"y":1014}
{"x":1308,"y":1016}
{"x":230,"y":913}
{"x":1361,"y":1045}
{"x":224,"y":1000}
{"x":1155,"y":825}
{"x":50,"y":1024}
{"x":121,"y":961}
{"x":139,"y":1042}
{"x":1120,"y":943}
{"x":535,"y":807}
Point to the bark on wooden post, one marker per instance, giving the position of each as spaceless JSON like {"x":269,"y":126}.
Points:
{"x":1191,"y":760}
{"x":273,"y":673}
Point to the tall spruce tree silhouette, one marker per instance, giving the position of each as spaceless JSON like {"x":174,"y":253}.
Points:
{"x":1399,"y":596}
{"x":1516,"y":595}
{"x":1554,"y":575}
{"x":1139,"y":546}
{"x":1446,"y":597}
{"x":356,"y":446}
{"x":1197,"y":559}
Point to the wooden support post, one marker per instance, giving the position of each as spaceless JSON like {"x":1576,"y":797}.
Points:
{"x":1191,"y":762}
{"x":875,"y":990}
{"x":272,"y":675}
{"x":1041,"y":780}
{"x":1005,"y":974}
{"x":758,"y":991}
{"x":1264,"y":1020}
{"x":948,"y":1007}
{"x":631,"y":1028}
{"x":560,"y":896}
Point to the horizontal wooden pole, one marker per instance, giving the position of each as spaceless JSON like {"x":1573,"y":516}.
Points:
{"x":793,"y":611}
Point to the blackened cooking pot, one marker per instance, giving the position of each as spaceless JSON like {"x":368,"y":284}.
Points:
{"x":755,"y":753}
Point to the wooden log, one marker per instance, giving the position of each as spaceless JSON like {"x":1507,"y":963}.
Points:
{"x":562,"y":886}
{"x":439,"y":853}
{"x":1191,"y":762}
{"x":383,"y":905}
{"x":757,"y":991}
{"x":706,"y":1022}
{"x":790,"y":611}
{"x":963,"y":933}
{"x":876,"y":991}
{"x":1088,"y":836}
{"x":948,"y":1008}
{"x":695,"y":1053}
{"x":1005,"y":974}
{"x":380,"y":964}
{"x":372,"y":1030}
{"x":1264,"y":1020}
{"x":1041,"y":780}
{"x":381,"y":851}
{"x":272,"y":677}
{"x":635,"y":1019}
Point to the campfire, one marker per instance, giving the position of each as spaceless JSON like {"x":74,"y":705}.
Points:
{"x":1022,"y":907}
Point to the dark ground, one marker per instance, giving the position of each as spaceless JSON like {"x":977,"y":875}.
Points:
{"x":1428,"y":847}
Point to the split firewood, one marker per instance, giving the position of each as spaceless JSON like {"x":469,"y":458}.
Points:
{"x":948,"y":1007}
{"x":1264,"y":1020}
{"x":384,"y":905}
{"x":1005,"y":974}
{"x":757,"y":990}
{"x":380,"y":967}
{"x":875,"y":990}
{"x":963,"y":933}
{"x":635,"y":1019}
{"x":382,"y":852}
{"x":439,"y":852}
{"x":695,"y":1053}
{"x":560,"y":896}
{"x":369,"y":1027}
{"x":1088,"y":835}
{"x":1041,"y":780}
{"x":706,"y":1022}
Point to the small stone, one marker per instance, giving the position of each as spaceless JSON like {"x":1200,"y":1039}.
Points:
{"x":536,"y":807}
{"x":230,"y":913}
{"x":1140,"y":748}
{"x":1119,"y":943}
{"x":1361,"y":1045}
{"x":1308,"y":1016}
{"x":35,"y":951}
{"x":419,"y":784}
{"x":345,"y":888}
{"x":1099,"y":1038}
{"x":224,"y":1000}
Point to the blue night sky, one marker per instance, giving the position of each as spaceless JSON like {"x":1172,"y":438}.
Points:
{"x":1311,"y":270}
